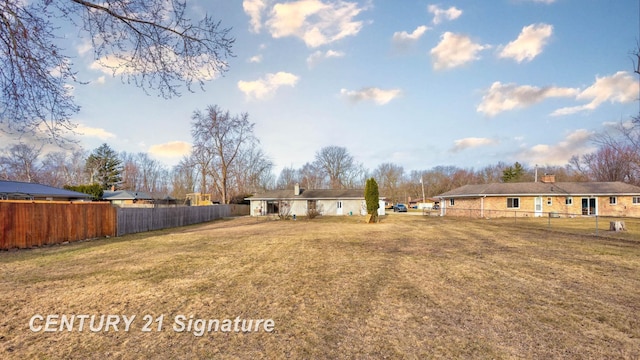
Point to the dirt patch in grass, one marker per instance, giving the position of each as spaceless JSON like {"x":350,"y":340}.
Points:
{"x":409,"y":287}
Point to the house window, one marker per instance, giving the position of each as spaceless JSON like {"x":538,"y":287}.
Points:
{"x":452,"y":202}
{"x":549,"y":201}
{"x":636,"y":200}
{"x":311,"y":204}
{"x":613,"y":200}
{"x":513,"y":203}
{"x":568,"y":200}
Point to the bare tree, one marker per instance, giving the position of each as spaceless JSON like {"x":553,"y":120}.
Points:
{"x":389,"y":178}
{"x":183,"y":178}
{"x":130,"y":171}
{"x":624,"y":139}
{"x":21,"y":162}
{"x":607,"y":164}
{"x":201,"y":160}
{"x":310,"y":176}
{"x":142,"y":173}
{"x":224,"y":138}
{"x":337,"y":164}
{"x":252,"y":172}
{"x":356,"y":178}
{"x":288,"y":178}
{"x":152,"y":44}
{"x":54,"y":170}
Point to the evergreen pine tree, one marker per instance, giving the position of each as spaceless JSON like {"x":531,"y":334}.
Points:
{"x":104,"y":167}
{"x":372,"y":197}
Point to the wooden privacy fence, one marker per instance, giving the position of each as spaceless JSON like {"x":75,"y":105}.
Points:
{"x":25,"y":224}
{"x":134,"y":220}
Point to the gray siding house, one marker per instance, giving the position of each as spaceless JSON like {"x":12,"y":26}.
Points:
{"x":299,"y":201}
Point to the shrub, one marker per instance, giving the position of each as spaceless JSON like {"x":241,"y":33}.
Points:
{"x":372,"y":198}
{"x":313,"y":213}
{"x":284,"y":210}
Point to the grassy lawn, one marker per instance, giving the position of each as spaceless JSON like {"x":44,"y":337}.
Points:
{"x":409,"y":287}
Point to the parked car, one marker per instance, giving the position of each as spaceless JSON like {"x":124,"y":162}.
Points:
{"x":400,"y":208}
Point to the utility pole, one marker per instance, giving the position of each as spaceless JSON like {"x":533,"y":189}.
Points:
{"x":422,"y":182}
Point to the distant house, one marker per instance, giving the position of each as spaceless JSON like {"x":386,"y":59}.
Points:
{"x":428,"y":204}
{"x":124,"y":198}
{"x":299,"y":201}
{"x":542,"y":199}
{"x":16,"y":190}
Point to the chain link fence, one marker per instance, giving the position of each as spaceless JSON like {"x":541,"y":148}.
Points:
{"x":620,"y":227}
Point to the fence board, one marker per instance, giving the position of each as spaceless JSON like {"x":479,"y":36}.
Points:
{"x":26,"y":224}
{"x":135,"y":220}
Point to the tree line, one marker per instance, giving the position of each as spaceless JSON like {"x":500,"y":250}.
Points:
{"x":226,"y":160}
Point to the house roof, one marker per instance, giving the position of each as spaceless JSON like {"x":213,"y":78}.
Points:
{"x":545,"y":189}
{"x":315,"y":194}
{"x":18,"y":188}
{"x":126,"y":195}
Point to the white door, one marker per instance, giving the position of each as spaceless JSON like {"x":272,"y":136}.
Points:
{"x":538,"y":204}
{"x":339,"y":208}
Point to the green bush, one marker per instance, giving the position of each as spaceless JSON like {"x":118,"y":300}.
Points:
{"x":95,"y":190}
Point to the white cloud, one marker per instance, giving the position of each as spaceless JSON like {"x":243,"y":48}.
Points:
{"x":502,"y":97}
{"x":100,"y":80}
{"x":93,"y":132}
{"x":529,"y":43}
{"x":84,"y":47}
{"x":415,"y":35}
{"x":262,"y":88}
{"x":379,"y":96}
{"x":114,"y":66}
{"x":471,"y":142}
{"x":254,"y":8}
{"x":403,"y":37}
{"x":575,"y":143}
{"x":255,"y":59}
{"x":439,"y":15}
{"x":316,"y":22}
{"x":618,"y":88}
{"x":455,"y":50}
{"x":318,"y":56}
{"x":171,"y":149}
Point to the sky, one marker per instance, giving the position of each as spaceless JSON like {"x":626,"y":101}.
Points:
{"x":416,"y":83}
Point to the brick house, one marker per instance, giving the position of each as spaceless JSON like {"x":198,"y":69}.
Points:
{"x":544,"y":198}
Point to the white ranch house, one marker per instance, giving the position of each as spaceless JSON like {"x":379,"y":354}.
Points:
{"x":298,"y":201}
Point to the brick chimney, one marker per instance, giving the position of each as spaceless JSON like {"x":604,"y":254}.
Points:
{"x":548,"y":178}
{"x":296,"y":189}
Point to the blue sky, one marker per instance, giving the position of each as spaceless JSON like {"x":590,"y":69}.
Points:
{"x":416,"y":83}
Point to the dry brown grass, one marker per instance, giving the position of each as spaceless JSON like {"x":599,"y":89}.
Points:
{"x":409,"y":287}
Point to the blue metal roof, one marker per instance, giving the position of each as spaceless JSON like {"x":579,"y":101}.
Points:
{"x":38,"y":190}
